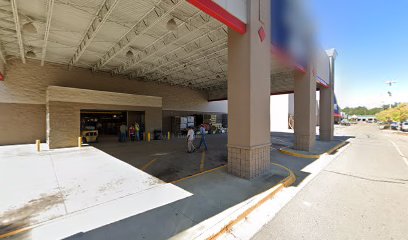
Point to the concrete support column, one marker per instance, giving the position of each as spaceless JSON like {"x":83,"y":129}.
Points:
{"x":326,"y":119}
{"x":305,"y":110}
{"x":249,"y":72}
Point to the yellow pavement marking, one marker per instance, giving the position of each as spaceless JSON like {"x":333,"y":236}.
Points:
{"x":198,"y":174}
{"x":148,"y":164}
{"x":202,"y":161}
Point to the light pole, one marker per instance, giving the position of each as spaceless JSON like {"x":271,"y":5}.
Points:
{"x":390,"y":83}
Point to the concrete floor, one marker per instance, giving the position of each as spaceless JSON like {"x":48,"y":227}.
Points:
{"x":168,"y":160}
{"x":361,"y":194}
{"x":100,"y":197}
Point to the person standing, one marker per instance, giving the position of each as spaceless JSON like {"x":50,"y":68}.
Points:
{"x":137,"y":129}
{"x":123,"y":130}
{"x":132,"y":133}
{"x":190,"y":139}
{"x":202,"y":140}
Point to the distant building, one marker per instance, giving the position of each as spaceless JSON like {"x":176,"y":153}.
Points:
{"x":362,"y":118}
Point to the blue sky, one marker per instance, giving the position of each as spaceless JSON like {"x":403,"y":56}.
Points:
{"x":371,"y":37}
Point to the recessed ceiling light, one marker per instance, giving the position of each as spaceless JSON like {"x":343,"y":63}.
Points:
{"x":129,"y":54}
{"x":171,"y":25}
{"x":29,"y":28}
{"x":30,"y":54}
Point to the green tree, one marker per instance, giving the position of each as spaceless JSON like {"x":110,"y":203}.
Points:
{"x":361,"y":111}
{"x":395,"y":114}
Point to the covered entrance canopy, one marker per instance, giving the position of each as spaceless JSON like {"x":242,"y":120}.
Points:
{"x":165,"y":41}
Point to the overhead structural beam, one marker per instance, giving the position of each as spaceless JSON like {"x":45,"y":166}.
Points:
{"x":2,"y":58}
{"x":179,"y":66}
{"x":215,"y":36}
{"x":183,"y":31}
{"x":199,"y":58}
{"x":148,"y":21}
{"x":96,"y":24}
{"x":198,"y":63}
{"x":50,"y":8}
{"x":18,"y":30}
{"x":201,"y":70}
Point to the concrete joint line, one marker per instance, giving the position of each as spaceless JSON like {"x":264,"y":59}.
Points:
{"x":366,"y":178}
{"x":251,"y":147}
{"x":288,"y":181}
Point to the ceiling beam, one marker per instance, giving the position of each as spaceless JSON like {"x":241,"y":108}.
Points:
{"x":156,"y":14}
{"x":183,"y":31}
{"x":50,"y":8}
{"x":18,"y":30}
{"x":206,"y":58}
{"x":96,"y":24}
{"x":192,"y":47}
{"x":188,"y":62}
{"x":2,"y":58}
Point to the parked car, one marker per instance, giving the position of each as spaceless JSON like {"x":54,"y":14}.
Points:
{"x":404,"y":127}
{"x":345,"y":122}
{"x":394,"y":126}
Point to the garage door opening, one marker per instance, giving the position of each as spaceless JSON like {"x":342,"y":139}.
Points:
{"x":103,"y":125}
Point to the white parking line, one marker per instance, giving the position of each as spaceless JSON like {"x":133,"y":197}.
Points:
{"x":399,"y":152}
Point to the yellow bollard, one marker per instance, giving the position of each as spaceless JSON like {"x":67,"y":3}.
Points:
{"x":148,"y":136}
{"x":37,"y":144}
{"x":168,"y":135}
{"x":79,"y":142}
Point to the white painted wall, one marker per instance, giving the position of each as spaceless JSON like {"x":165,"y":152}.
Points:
{"x":237,"y":8}
{"x":279,"y":112}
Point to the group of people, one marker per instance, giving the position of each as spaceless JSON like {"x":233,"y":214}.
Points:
{"x":191,"y":136}
{"x":133,"y":131}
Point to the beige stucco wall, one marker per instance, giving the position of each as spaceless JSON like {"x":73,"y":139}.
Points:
{"x":23,"y":96}
{"x":21,"y":123}
{"x":27,"y":83}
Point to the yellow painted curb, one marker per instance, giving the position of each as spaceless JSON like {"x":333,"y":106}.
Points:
{"x":198,"y":174}
{"x":289,"y":180}
{"x":14,"y":232}
{"x":335,"y":148}
{"x":294,"y":154}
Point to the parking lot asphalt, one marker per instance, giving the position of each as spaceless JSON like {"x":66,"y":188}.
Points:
{"x":361,"y":194}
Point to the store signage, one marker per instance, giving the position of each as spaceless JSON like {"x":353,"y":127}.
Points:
{"x":290,"y":32}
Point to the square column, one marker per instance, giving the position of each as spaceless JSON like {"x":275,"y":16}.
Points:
{"x":305,"y":110}
{"x":249,"y":71}
{"x":326,"y":119}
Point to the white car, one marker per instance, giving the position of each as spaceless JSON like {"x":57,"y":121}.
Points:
{"x":404,"y":127}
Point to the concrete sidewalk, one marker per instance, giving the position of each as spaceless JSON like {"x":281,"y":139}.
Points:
{"x":40,"y":187}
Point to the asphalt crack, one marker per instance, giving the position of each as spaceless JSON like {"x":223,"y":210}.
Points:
{"x":366,"y":178}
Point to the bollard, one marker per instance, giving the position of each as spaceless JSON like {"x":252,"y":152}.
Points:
{"x":168,"y":135}
{"x":79,"y":142}
{"x":37,"y":144}
{"x":148,"y":136}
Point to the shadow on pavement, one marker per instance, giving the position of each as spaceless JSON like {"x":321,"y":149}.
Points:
{"x":212,"y":193}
